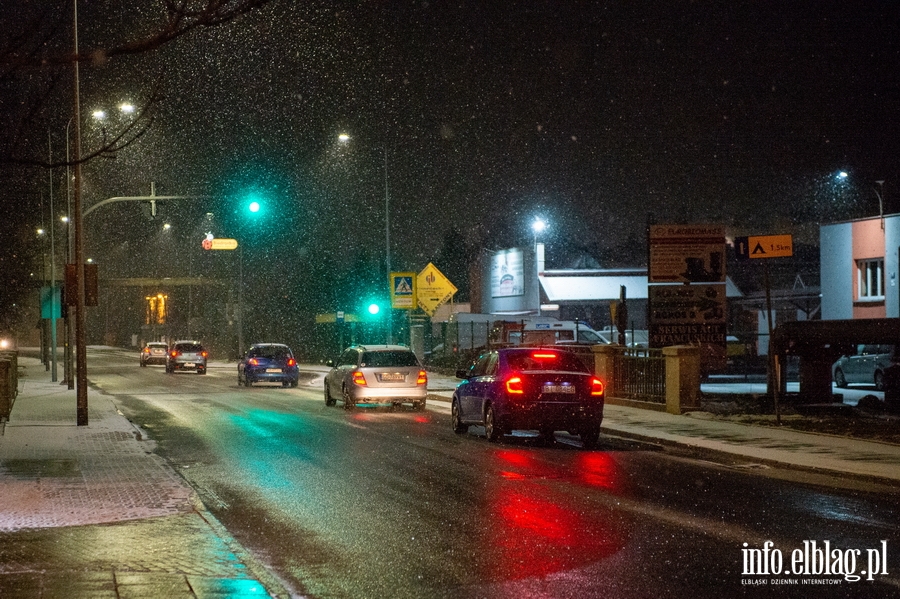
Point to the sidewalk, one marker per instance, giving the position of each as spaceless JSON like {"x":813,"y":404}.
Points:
{"x":91,"y":512}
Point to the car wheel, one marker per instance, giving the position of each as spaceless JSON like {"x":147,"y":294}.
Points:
{"x":546,"y":436}
{"x":456,"y":419}
{"x":284,"y":383}
{"x":879,"y":381}
{"x":329,"y":401}
{"x":294,"y":383}
{"x":349,"y":404}
{"x":839,"y":379}
{"x":201,"y":371}
{"x":492,"y":429}
{"x":143,"y":364}
{"x":590,"y":436}
{"x":248,"y":382}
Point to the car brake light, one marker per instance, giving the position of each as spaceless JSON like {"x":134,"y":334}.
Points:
{"x":174,"y":353}
{"x":596,"y":386}
{"x":253,"y":362}
{"x":514,"y":385}
{"x":359,"y":378}
{"x":204,"y":354}
{"x":543,"y":356}
{"x":291,"y":362}
{"x":423,"y":378}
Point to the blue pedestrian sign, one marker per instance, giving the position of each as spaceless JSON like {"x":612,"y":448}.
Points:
{"x":403,"y":290}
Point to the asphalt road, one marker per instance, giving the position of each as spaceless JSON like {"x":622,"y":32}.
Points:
{"x":379,"y":503}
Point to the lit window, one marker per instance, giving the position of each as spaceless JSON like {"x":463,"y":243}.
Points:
{"x":870,"y":279}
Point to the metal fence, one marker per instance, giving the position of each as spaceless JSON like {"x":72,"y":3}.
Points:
{"x":640,"y":373}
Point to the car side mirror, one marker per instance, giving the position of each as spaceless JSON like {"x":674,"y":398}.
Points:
{"x":462,"y":374}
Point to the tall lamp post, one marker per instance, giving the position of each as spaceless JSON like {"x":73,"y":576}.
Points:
{"x":538,"y":226}
{"x":344,"y":138}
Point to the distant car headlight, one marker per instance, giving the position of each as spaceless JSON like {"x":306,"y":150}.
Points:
{"x":5,"y":344}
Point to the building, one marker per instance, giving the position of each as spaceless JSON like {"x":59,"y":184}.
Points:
{"x":859,"y":263}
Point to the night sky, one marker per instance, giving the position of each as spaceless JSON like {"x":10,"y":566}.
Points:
{"x":482,"y":115}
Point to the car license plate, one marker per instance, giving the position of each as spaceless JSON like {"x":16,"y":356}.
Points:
{"x":558,"y":389}
{"x":393,"y":376}
{"x":189,"y":364}
{"x":273,"y":370}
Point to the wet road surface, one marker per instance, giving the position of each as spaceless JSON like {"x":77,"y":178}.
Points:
{"x":379,"y":503}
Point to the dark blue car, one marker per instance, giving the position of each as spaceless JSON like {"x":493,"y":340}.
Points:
{"x":543,"y":389}
{"x":268,"y":363}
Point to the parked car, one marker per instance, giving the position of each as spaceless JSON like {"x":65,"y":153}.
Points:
{"x":376,"y":374}
{"x":268,"y":363}
{"x":517,"y":388}
{"x":866,"y":366}
{"x":187,"y":355}
{"x":155,"y":352}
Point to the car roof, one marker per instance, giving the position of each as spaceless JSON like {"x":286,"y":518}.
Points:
{"x":270,"y":345}
{"x":382,"y":347}
{"x":157,"y":343}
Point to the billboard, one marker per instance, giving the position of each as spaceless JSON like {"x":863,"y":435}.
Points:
{"x":508,"y":273}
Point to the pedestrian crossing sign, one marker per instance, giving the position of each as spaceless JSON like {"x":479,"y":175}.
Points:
{"x":403,"y":290}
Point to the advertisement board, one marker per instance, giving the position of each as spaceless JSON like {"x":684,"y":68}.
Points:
{"x":687,"y":254}
{"x":508,"y":273}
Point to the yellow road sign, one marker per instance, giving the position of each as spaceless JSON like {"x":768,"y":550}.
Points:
{"x":770,"y":246}
{"x":433,"y":289}
{"x":219,"y":244}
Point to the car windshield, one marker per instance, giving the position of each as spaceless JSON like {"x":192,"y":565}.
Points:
{"x":271,"y":352}
{"x":389,"y":358}
{"x":544,"y":360}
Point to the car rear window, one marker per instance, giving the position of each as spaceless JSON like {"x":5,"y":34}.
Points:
{"x":189,"y":347}
{"x":389,"y":358}
{"x":273,"y":353}
{"x":545,"y":360}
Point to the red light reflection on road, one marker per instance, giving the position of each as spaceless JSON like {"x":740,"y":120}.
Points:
{"x":598,"y":469}
{"x":538,"y":527}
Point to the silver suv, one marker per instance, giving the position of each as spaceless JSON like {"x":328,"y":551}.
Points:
{"x":376,"y":374}
{"x":187,"y":355}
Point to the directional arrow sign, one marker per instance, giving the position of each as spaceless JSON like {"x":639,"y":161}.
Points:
{"x":764,"y":246}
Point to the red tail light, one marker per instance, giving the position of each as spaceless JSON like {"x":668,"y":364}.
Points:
{"x":423,"y":378}
{"x":596,"y":386}
{"x":514,"y":386}
{"x":173,"y":353}
{"x":359,"y":378}
{"x":291,"y":362}
{"x":204,"y":354}
{"x":253,"y":362}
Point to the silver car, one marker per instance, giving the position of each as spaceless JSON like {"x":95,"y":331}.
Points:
{"x":376,"y":374}
{"x":187,"y":355}
{"x":155,"y":352}
{"x":866,"y":366}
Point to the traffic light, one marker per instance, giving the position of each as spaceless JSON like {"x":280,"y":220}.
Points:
{"x":374,"y":309}
{"x":253,"y":203}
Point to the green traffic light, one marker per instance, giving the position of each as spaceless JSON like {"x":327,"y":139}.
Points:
{"x":374,"y":309}
{"x":253,"y":207}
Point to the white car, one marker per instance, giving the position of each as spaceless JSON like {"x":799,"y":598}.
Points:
{"x":376,"y":374}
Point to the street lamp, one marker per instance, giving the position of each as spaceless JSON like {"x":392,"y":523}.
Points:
{"x":345,"y":138}
{"x":538,"y":226}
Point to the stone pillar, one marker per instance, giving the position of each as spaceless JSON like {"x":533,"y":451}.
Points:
{"x":682,"y":378}
{"x":605,"y":365}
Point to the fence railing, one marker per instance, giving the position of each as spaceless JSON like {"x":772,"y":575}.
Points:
{"x":640,"y":373}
